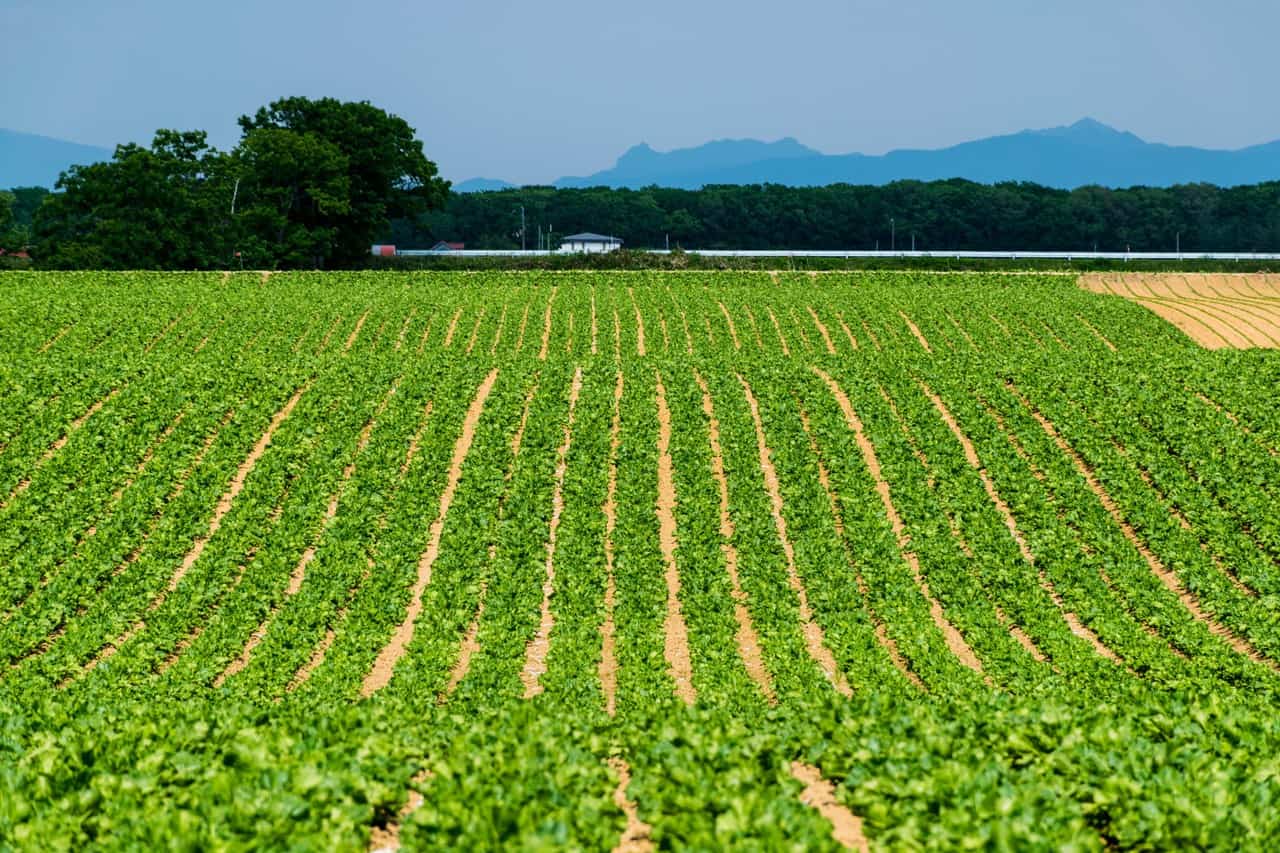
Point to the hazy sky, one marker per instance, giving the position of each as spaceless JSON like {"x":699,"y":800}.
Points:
{"x":531,"y":91}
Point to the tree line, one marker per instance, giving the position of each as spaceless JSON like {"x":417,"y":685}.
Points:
{"x":937,"y":215}
{"x":311,"y":183}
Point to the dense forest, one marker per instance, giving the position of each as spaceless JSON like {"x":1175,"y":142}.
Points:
{"x":940,"y":215}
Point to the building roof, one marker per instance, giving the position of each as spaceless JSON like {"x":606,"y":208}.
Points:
{"x":588,"y":237}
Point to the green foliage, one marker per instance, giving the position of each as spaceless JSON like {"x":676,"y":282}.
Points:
{"x":152,"y":698}
{"x":311,"y":184}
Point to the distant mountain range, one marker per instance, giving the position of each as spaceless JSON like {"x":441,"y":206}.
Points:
{"x":1087,"y":152}
{"x":28,"y":160}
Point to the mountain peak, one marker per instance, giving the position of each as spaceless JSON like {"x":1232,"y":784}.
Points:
{"x":1091,"y":131}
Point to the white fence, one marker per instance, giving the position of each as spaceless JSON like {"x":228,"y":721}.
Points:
{"x":785,"y":253}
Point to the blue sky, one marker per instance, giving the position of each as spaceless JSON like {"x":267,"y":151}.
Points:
{"x":531,"y":91}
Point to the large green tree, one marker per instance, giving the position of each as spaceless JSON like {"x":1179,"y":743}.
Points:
{"x":6,"y":219}
{"x":388,"y":176}
{"x":163,"y":207}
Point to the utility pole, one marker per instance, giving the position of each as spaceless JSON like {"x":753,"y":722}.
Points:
{"x":913,"y":241}
{"x":1179,"y":245}
{"x":893,"y":235}
{"x":522,"y":244}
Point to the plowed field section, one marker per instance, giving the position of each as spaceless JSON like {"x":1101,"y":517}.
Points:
{"x":1217,"y":311}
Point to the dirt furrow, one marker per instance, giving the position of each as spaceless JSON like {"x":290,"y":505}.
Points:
{"x":546,"y":325}
{"x":299,"y":573}
{"x":470,"y":646}
{"x":1105,"y":340}
{"x":220,"y":512}
{"x":384,"y":667}
{"x":833,"y":502}
{"x":954,"y":639}
{"x":355,"y":333}
{"x":166,"y":330}
{"x":786,"y":350}
{"x":45,"y":347}
{"x":688,"y":337}
{"x":1166,"y":576}
{"x":676,"y":643}
{"x":640,"y":349}
{"x":453,"y":329}
{"x":75,"y":425}
{"x":497,"y":333}
{"x":333,"y":327}
{"x":814,"y":639}
{"x":733,"y":330}
{"x":535,"y":663}
{"x":608,"y":630}
{"x":971,"y":455}
{"x":404,"y":328}
{"x":755,"y":328}
{"x":820,"y":794}
{"x":524,"y":321}
{"x":595,"y":327}
{"x":748,"y":640}
{"x":635,"y":838}
{"x":915,"y":332}
{"x":848,"y":333}
{"x":475,"y":330}
{"x":385,"y":838}
{"x":799,"y":326}
{"x":822,"y":330}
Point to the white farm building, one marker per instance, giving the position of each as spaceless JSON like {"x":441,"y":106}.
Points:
{"x":590,"y":243}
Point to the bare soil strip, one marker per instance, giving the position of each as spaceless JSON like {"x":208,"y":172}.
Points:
{"x":546,"y":325}
{"x":355,"y":333}
{"x":820,"y":794}
{"x":822,"y":330}
{"x":324,"y":342}
{"x":748,"y":639}
{"x":872,"y":335}
{"x":814,"y":640}
{"x":848,"y":333}
{"x":166,"y":330}
{"x":404,"y":329}
{"x":49,"y":343}
{"x":666,"y":338}
{"x":384,"y":666}
{"x":676,"y":644}
{"x":786,"y":350}
{"x":711,"y":336}
{"x":733,"y":331}
{"x":954,"y":639}
{"x":1176,"y":513}
{"x":795,"y":321}
{"x":635,"y":838}
{"x":524,"y":321}
{"x":1097,"y":333}
{"x":475,"y":330}
{"x":915,"y":330}
{"x":617,"y":336}
{"x":1210,"y":309}
{"x":971,"y":455}
{"x":497,"y":334}
{"x":1157,"y":567}
{"x":215,"y":523}
{"x":384,"y":839}
{"x":470,"y":646}
{"x":453,"y":328}
{"x":755,"y":328}
{"x":639,"y":323}
{"x":535,"y":663}
{"x":299,"y":573}
{"x":688,"y":338}
{"x":608,"y":630}
{"x":882,"y":633}
{"x":595,"y":329}
{"x":1235,"y":420}
{"x":973,"y":346}
{"x":58,"y":445}
{"x":1262,"y":320}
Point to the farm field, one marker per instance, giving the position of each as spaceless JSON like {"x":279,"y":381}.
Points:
{"x":629,"y":561}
